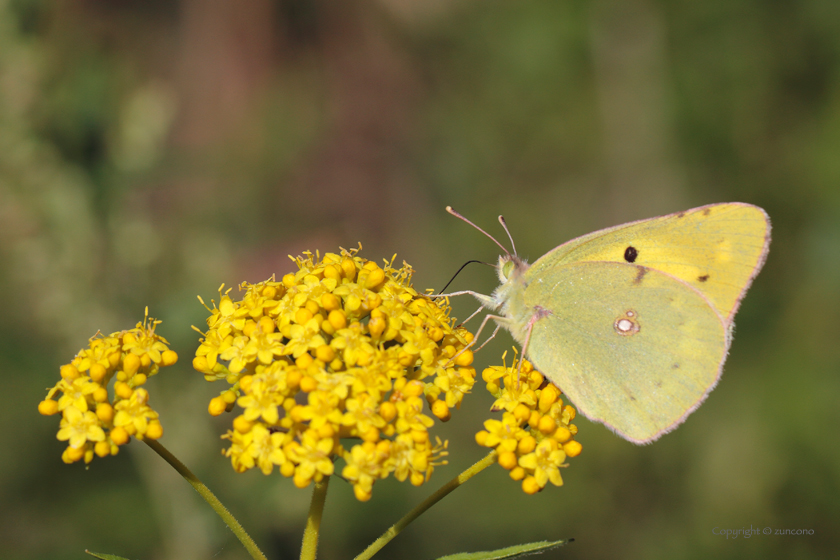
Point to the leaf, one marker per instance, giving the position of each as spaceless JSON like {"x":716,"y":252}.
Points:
{"x":517,"y":551}
{"x":102,"y":556}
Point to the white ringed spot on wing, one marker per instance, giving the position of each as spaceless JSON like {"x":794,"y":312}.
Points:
{"x":627,"y":324}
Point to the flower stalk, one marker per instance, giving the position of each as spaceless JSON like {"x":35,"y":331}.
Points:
{"x":210,"y":498}
{"x":309,"y":548}
{"x":421,"y":508}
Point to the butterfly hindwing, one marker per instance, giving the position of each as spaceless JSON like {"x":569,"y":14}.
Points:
{"x":632,"y":347}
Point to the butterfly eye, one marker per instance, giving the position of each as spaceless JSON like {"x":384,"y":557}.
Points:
{"x":507,"y":269}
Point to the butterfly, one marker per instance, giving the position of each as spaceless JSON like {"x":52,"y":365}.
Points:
{"x":633,"y":323}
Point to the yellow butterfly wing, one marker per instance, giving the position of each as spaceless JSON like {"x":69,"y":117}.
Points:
{"x":718,"y":249}
{"x":635,"y":320}
{"x":635,"y":351}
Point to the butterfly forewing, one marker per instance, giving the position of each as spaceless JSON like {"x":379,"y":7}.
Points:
{"x":717,"y":249}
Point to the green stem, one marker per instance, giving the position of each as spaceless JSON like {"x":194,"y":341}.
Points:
{"x":210,"y":498}
{"x":397,"y":528}
{"x":309,"y":548}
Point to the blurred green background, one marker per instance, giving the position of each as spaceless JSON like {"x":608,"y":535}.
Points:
{"x":151,"y":150}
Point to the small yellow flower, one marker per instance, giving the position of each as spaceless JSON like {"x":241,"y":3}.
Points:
{"x":504,"y":434}
{"x":410,"y":416}
{"x":212,"y":345}
{"x":535,"y":435}
{"x":266,"y":448}
{"x":94,"y":422}
{"x":356,"y":348}
{"x":77,"y":393}
{"x":545,"y":462}
{"x":304,"y":338}
{"x":313,"y":457}
{"x":259,"y":299}
{"x":236,"y":355}
{"x":263,"y":399}
{"x":357,"y":299}
{"x":322,"y":409}
{"x":415,"y":462}
{"x":337,"y":382}
{"x":145,"y":342}
{"x":362,"y":414}
{"x":375,"y":377}
{"x":134,"y":415}
{"x":455,"y":382}
{"x":225,"y":319}
{"x":265,"y":347}
{"x":79,"y":427}
{"x":364,"y":467}
{"x":343,"y":348}
{"x":239,"y":443}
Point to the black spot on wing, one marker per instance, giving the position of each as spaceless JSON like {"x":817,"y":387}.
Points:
{"x":703,"y":278}
{"x":631,"y":254}
{"x":707,"y":211}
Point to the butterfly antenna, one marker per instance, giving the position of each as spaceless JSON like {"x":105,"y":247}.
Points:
{"x":507,"y":231}
{"x":459,"y":272}
{"x":457,"y":215}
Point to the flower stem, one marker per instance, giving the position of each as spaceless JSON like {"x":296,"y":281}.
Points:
{"x":309,"y":548}
{"x":210,"y":498}
{"x":397,"y":528}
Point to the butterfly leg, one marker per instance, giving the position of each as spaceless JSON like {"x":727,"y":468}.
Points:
{"x":468,"y":319}
{"x":539,"y":313}
{"x":486,"y":301}
{"x":483,"y":344}
{"x":477,"y":334}
{"x":489,"y":338}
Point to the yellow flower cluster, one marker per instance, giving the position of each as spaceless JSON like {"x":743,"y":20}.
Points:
{"x":93,"y":423}
{"x":535,"y":435}
{"x":343,"y":348}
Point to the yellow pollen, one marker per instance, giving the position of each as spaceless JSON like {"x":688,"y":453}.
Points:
{"x":547,"y":425}
{"x":517,"y":473}
{"x":123,"y":390}
{"x":440,"y":410}
{"x":154,"y":431}
{"x":507,"y":460}
{"x":522,"y":413}
{"x":119,"y":435}
{"x":572,"y":448}
{"x":526,"y":445}
{"x":465,"y":359}
{"x":217,"y":406}
{"x":562,"y":435}
{"x":530,"y":485}
{"x":102,"y":449}
{"x":97,"y":372}
{"x":48,"y":407}
{"x":131,"y":364}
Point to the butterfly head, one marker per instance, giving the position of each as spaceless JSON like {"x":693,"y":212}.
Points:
{"x":510,"y":266}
